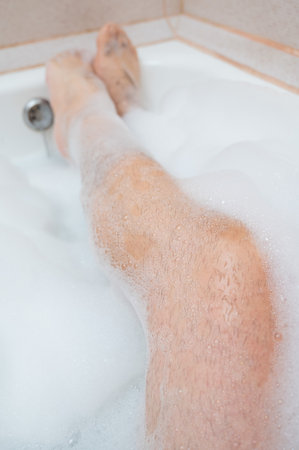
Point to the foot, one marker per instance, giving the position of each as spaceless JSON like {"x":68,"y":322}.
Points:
{"x":71,"y":82}
{"x":116,"y":63}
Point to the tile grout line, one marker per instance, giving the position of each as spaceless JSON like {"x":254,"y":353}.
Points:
{"x":182,"y":6}
{"x":168,"y":18}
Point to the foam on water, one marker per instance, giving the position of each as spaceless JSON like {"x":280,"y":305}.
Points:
{"x":72,"y":349}
{"x":69,"y":341}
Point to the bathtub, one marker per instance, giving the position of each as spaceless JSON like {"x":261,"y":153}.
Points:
{"x":164,"y":66}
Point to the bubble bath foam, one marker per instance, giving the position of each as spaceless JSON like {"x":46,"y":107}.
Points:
{"x":71,"y":347}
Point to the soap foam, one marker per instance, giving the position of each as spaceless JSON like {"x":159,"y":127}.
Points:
{"x":72,"y":349}
{"x":69,"y":340}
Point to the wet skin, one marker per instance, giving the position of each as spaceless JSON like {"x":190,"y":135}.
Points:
{"x":199,"y":275}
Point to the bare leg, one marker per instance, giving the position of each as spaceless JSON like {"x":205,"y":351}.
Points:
{"x":199,"y":275}
{"x":116,"y":63}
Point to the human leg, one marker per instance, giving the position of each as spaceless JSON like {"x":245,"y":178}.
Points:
{"x":200,"y":277}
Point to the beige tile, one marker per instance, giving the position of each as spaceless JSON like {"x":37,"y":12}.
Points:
{"x":277,"y":20}
{"x":30,"y":20}
{"x":260,"y":57}
{"x":39,"y":52}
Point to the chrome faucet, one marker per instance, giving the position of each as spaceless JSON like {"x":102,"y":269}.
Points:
{"x":38,"y":115}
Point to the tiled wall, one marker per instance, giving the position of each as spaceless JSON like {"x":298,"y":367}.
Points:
{"x":31,"y":20}
{"x":277,"y":20}
{"x":260,"y":36}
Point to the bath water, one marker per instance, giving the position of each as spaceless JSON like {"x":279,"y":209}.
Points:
{"x":72,"y":349}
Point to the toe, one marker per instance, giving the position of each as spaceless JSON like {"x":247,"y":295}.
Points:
{"x":72,"y":60}
{"x":111,"y":38}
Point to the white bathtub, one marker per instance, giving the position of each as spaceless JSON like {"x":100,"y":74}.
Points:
{"x":164,"y":66}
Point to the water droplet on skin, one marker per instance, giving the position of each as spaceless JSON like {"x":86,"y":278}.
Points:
{"x":277,"y":336}
{"x":178,"y":227}
{"x":125,"y":217}
{"x":123,"y":266}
